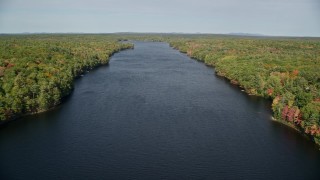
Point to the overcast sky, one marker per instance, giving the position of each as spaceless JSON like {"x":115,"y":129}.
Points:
{"x":269,"y":17}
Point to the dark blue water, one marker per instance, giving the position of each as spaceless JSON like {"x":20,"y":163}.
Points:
{"x":154,"y":113}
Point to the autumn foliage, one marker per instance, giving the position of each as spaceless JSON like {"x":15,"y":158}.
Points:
{"x":284,"y":69}
{"x":37,"y":71}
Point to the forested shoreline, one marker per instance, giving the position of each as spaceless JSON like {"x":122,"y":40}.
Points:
{"x":283,"y":70}
{"x":37,"y":71}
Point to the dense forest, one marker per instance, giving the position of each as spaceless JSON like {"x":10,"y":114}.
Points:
{"x":37,"y":71}
{"x":285,"y":70}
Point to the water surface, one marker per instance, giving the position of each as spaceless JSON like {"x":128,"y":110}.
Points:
{"x":154,"y":113}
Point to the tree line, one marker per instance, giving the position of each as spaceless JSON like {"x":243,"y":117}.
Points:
{"x":37,"y":71}
{"x":284,"y":70}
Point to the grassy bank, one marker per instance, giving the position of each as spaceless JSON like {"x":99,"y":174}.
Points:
{"x":37,"y":71}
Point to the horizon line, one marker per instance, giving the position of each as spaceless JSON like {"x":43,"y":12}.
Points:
{"x":176,"y":33}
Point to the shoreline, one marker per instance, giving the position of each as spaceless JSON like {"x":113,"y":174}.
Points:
{"x":292,"y":126}
{"x":63,"y":99}
{"x":295,"y":128}
{"x":288,"y":125}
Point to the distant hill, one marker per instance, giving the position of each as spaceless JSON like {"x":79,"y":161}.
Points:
{"x":246,"y":34}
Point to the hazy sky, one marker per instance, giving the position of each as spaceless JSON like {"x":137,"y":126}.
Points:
{"x":270,"y":17}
